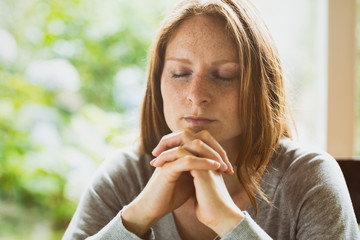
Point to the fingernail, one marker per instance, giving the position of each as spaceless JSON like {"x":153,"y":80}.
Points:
{"x":224,"y":166}
{"x":154,"y":150}
{"x":152,"y":162}
{"x":217,"y":165}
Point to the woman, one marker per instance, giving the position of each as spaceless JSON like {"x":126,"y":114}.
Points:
{"x":216,"y":119}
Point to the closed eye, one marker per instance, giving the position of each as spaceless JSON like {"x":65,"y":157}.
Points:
{"x":223,"y":75}
{"x":180,"y":75}
{"x":223,"y":78}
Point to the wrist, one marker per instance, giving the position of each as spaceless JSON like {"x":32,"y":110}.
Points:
{"x":135,"y":220}
{"x":229,"y":220}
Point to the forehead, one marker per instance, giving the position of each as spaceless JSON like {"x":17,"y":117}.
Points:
{"x":204,"y":36}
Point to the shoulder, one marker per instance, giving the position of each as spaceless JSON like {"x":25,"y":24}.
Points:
{"x":118,"y":180}
{"x":302,"y":169}
{"x":292,"y":161}
{"x":124,"y":173}
{"x":306,"y":177}
{"x":309,"y":196}
{"x":127,"y":161}
{"x":313,"y":189}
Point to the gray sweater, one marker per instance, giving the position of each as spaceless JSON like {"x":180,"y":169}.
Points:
{"x":309,"y":199}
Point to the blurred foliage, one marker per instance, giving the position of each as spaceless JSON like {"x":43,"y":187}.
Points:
{"x":53,"y":134}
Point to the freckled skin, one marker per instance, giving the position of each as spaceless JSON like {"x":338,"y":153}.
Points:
{"x":203,"y":53}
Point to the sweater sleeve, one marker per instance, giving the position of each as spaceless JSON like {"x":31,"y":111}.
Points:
{"x":247,"y":229}
{"x":116,"y":230}
{"x":115,"y":184}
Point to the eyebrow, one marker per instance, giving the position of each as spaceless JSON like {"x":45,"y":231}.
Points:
{"x":185,"y":60}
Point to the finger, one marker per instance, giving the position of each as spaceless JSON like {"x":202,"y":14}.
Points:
{"x":169,"y":156}
{"x":181,"y":137}
{"x":198,"y":148}
{"x":195,"y":147}
{"x":172,"y":140}
{"x":206,"y":137}
{"x":190,"y":162}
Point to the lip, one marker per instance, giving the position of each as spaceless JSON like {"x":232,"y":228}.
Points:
{"x":198,"y":121}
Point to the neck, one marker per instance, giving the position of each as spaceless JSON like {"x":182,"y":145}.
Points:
{"x":231,"y":148}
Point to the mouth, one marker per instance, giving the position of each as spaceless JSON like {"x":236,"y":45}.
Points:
{"x":198,"y":121}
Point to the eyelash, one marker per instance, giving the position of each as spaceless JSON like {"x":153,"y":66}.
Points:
{"x":227,"y":79}
{"x":180,"y":75}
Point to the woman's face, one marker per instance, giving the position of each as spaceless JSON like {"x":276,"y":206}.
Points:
{"x":200,"y":79}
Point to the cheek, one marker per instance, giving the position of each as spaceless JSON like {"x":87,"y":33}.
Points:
{"x":166,"y":96}
{"x":231,"y":105}
{"x":171,"y":94}
{"x":170,"y":104}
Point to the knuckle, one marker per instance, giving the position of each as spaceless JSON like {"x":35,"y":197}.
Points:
{"x":188,"y":159}
{"x":205,"y":133}
{"x":187,"y":133}
{"x":222,"y":152}
{"x":208,"y":161}
{"x":218,"y":156}
{"x":197,"y":142}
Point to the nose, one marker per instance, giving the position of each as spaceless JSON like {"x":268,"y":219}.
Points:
{"x":199,"y":91}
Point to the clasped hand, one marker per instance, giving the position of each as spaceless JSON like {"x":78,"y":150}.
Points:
{"x":187,"y":164}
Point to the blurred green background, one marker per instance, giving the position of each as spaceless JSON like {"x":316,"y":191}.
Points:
{"x":72,"y":76}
